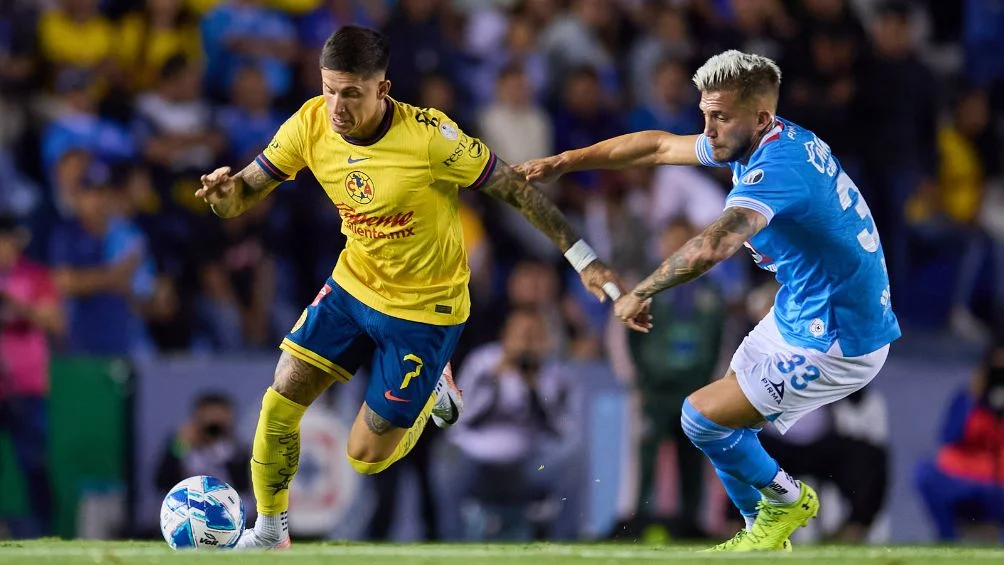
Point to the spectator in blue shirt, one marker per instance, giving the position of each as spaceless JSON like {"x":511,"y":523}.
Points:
{"x":244,"y":32}
{"x":671,"y":107}
{"x":78,"y":125}
{"x":249,"y":121}
{"x":101,"y":264}
{"x":583,"y":118}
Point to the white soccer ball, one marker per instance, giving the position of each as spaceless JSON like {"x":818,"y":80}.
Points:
{"x":202,"y":512}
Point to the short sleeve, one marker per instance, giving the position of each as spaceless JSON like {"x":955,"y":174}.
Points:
{"x":703,"y":149}
{"x":458,"y":158}
{"x":767,"y":189}
{"x":283,"y":157}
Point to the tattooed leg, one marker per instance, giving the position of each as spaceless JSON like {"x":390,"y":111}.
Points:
{"x":375,"y":422}
{"x":300,"y":381}
{"x":275,"y":455}
{"x":375,"y":443}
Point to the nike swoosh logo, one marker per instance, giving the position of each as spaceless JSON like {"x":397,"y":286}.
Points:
{"x":393,"y":398}
{"x":354,"y":161}
{"x":454,"y":413}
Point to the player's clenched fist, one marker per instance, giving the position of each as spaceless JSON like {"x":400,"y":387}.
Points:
{"x":545,"y":169}
{"x":634,"y":312}
{"x":216,"y":186}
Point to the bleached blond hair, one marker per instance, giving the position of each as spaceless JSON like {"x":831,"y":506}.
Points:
{"x":750,"y":75}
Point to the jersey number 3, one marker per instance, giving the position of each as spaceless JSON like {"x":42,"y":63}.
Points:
{"x":867,"y":237}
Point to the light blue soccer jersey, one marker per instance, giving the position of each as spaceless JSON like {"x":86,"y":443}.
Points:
{"x":820,"y":241}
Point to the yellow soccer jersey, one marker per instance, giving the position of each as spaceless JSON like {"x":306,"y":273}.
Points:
{"x":397,"y":195}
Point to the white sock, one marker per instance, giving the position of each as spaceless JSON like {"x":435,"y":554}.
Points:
{"x":783,"y":490}
{"x":750,"y":520}
{"x":275,"y":527}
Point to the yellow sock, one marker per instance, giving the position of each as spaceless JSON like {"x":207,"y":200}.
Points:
{"x":408,"y":441}
{"x":276,"y":452}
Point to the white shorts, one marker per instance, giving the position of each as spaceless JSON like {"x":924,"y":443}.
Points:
{"x":784,"y":382}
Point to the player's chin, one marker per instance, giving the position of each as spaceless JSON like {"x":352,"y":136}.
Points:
{"x":722,"y":154}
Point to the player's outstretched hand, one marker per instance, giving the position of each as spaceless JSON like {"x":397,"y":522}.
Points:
{"x":601,"y":281}
{"x":634,"y":312}
{"x":545,"y":169}
{"x":216,"y":186}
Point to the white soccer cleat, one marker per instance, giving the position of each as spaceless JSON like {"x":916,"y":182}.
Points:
{"x":449,"y":400}
{"x":270,"y":532}
{"x":251,"y":540}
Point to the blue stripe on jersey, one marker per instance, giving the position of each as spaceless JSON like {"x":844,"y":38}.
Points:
{"x":270,"y":169}
{"x":752,"y":204}
{"x":485,"y":173}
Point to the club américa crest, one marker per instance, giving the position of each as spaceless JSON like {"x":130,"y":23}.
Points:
{"x":360,"y":187}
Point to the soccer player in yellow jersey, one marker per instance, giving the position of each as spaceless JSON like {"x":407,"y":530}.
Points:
{"x":398,"y":295}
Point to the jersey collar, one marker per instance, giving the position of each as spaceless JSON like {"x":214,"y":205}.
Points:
{"x":388,"y":117}
{"x":772,"y":133}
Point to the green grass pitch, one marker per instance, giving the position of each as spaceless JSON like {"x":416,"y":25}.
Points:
{"x":153,"y":553}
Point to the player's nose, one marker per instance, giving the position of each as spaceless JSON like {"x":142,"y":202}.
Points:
{"x":335,"y":104}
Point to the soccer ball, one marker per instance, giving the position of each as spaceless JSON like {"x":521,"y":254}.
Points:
{"x":202,"y":512}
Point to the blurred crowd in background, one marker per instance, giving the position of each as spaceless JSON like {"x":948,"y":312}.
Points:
{"x":112,"y":109}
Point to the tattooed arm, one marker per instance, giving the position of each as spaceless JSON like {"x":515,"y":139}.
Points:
{"x":511,"y":187}
{"x":717,"y":243}
{"x":230,"y":196}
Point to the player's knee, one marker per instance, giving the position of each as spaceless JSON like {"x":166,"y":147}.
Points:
{"x":366,"y":459}
{"x":723,"y":402}
{"x":698,"y":427}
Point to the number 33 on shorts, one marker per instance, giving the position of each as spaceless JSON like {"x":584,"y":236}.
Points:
{"x":800,"y":373}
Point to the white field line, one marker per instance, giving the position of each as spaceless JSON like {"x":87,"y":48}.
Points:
{"x":461,"y":551}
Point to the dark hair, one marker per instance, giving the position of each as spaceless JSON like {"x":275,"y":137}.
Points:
{"x":213,"y":399}
{"x":679,"y":221}
{"x":584,"y":71}
{"x":510,"y":70}
{"x":175,"y":65}
{"x":356,"y":50}
{"x":670,"y":62}
{"x":9,"y":224}
{"x":896,"y":8}
{"x":528,"y":310}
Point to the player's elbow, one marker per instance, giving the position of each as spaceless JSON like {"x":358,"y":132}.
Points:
{"x":669,"y":149}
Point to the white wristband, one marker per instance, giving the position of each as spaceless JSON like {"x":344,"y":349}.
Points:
{"x":580,"y":255}
{"x":612,"y":291}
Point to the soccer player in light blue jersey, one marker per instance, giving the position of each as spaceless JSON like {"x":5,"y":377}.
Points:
{"x":801,"y":217}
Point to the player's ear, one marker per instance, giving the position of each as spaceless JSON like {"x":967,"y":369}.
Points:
{"x":383,"y":88}
{"x":764,"y":119}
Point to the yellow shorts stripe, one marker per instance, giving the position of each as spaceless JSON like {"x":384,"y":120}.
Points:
{"x":314,"y":359}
